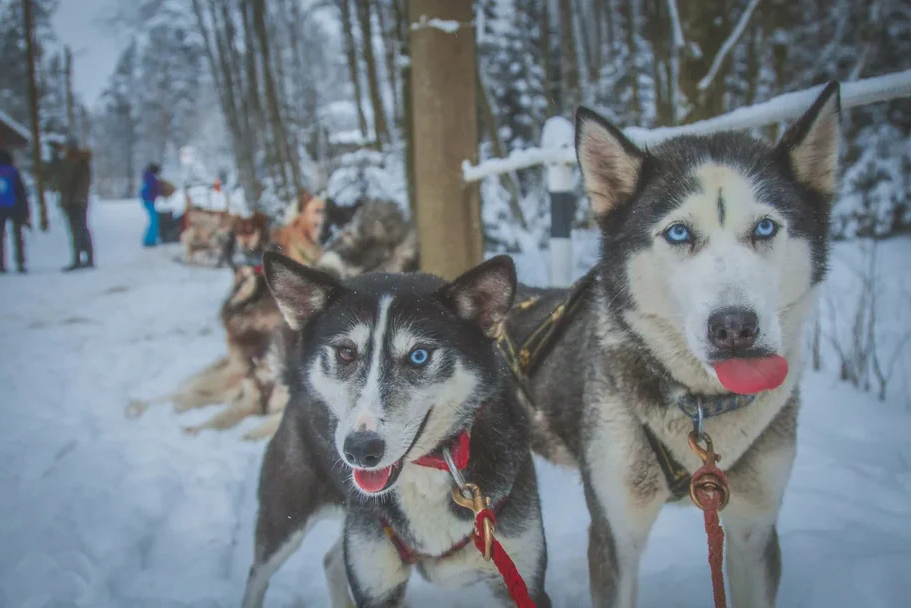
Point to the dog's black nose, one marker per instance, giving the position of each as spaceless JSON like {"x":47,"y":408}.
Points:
{"x":733,"y":328}
{"x":364,"y":449}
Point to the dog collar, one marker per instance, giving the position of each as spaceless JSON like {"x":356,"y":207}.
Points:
{"x":705,"y":406}
{"x":459,"y":451}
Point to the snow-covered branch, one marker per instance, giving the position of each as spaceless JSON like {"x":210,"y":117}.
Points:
{"x":676,"y":28}
{"x":784,"y":107}
{"x":728,"y":45}
{"x":444,"y":25}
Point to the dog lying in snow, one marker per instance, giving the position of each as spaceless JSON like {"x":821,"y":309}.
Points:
{"x":250,"y":379}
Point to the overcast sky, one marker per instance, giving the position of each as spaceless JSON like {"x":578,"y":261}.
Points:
{"x":80,"y":24}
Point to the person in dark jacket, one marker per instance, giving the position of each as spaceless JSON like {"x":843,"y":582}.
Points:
{"x":13,"y":207}
{"x":75,"y":180}
{"x":151,"y":189}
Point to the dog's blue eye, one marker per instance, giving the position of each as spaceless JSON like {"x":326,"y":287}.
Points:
{"x":678,"y":233}
{"x":765,"y":229}
{"x":419,"y":356}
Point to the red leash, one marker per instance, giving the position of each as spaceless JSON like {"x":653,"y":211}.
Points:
{"x":710,"y":492}
{"x":490,"y":547}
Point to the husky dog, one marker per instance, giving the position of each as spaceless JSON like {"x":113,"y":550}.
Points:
{"x":376,"y":238}
{"x":387,"y":371}
{"x":250,"y":316}
{"x":713,"y":249}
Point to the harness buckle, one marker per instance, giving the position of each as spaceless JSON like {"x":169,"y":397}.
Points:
{"x":477,"y":503}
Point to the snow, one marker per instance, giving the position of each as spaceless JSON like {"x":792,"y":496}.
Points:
{"x":781,"y":108}
{"x":102,"y":511}
{"x":444,"y":25}
{"x":727,"y":45}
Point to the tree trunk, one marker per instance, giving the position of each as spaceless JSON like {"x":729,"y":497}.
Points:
{"x":706,"y":24}
{"x":551,"y":87}
{"x":632,"y":19}
{"x":489,"y":119}
{"x":390,"y":42}
{"x":445,"y":134}
{"x":373,"y":85}
{"x":598,"y":38}
{"x":290,"y":170}
{"x":569,"y":64}
{"x":353,"y":71}
{"x":33,"y":107}
{"x":402,"y":31}
{"x":70,"y":102}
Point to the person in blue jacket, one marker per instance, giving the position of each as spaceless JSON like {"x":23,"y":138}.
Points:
{"x":13,"y":207}
{"x":151,"y":190}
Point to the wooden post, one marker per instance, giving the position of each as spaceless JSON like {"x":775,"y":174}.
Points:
{"x":445,"y":133}
{"x":33,"y":106}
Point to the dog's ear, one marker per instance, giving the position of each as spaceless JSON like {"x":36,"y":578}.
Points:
{"x":811,"y":144}
{"x":299,"y":291}
{"x":610,"y":163}
{"x":484,"y":294}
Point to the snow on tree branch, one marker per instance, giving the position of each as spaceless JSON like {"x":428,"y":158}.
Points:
{"x":676,"y":28}
{"x":444,"y":25}
{"x":728,"y":45}
{"x":784,"y":107}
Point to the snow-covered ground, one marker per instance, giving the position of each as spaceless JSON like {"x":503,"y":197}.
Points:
{"x":97,"y":510}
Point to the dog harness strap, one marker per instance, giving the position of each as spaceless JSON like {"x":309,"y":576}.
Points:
{"x":460,"y":454}
{"x":409,"y":556}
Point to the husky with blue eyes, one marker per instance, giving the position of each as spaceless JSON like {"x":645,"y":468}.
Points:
{"x":395,"y":381}
{"x":713,"y":249}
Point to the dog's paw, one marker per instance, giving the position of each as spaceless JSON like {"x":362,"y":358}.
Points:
{"x":135,"y":408}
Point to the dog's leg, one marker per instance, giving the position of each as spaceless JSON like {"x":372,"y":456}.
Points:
{"x":246,"y":403}
{"x":292,"y":497}
{"x":376,"y":574}
{"x":266,"y":429}
{"x":336,"y":577}
{"x":757,"y":483}
{"x":624,"y":492}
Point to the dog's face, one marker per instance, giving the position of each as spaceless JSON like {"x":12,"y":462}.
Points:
{"x":402,"y":362}
{"x":712,"y":244}
{"x":250,"y":232}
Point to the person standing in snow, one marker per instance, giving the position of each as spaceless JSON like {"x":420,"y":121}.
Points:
{"x":75,"y":180}
{"x":13,"y":207}
{"x":151,"y":189}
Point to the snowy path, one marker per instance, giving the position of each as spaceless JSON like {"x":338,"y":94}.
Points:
{"x":97,"y":510}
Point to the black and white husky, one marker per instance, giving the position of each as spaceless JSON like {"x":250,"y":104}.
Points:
{"x":712,"y":252}
{"x":387,"y":372}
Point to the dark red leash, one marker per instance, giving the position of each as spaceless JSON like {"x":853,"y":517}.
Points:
{"x":490,"y":547}
{"x":515,"y":584}
{"x":710,"y":492}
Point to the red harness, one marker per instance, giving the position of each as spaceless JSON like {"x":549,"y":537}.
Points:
{"x":460,"y":453}
{"x":515,"y":585}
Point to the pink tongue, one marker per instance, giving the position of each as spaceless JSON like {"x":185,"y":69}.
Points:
{"x":372,"y":481}
{"x":749,"y":376}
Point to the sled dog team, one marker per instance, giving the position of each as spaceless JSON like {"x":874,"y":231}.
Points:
{"x":713,"y":248}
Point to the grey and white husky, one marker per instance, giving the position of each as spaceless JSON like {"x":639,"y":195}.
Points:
{"x":712,"y":252}
{"x":386,"y":371}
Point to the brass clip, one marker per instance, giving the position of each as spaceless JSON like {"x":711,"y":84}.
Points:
{"x":708,"y":483}
{"x":477,"y":503}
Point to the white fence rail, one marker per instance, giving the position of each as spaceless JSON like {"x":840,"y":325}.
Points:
{"x":784,"y":107}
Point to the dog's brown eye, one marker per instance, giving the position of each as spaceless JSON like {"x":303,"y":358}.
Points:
{"x":345,"y":354}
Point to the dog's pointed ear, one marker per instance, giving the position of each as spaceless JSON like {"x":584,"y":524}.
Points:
{"x":484,"y":294}
{"x":299,"y":291}
{"x":811,"y":144}
{"x":610,"y":162}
